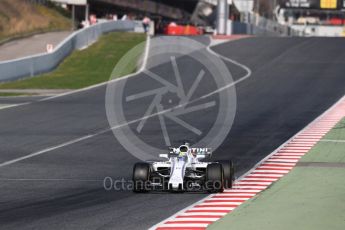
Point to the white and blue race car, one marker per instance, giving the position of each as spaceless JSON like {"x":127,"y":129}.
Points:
{"x":184,"y":169}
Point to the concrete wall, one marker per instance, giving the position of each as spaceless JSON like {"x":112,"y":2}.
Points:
{"x":244,"y":28}
{"x":317,"y":30}
{"x":42,"y":63}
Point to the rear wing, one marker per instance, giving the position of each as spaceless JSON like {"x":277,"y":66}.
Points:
{"x":199,"y":153}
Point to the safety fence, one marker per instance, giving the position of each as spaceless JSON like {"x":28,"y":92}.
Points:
{"x":257,"y":25}
{"x":45,"y":62}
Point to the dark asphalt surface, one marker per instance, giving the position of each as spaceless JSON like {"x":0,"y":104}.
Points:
{"x":293,"y":81}
{"x":20,"y":99}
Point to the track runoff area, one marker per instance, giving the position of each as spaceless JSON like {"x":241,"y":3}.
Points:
{"x":279,"y":163}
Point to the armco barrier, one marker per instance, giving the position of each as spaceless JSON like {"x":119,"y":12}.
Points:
{"x":269,"y":29}
{"x":45,"y":62}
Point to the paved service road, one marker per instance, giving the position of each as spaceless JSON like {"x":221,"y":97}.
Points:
{"x":32,"y":45}
{"x":293,"y":80}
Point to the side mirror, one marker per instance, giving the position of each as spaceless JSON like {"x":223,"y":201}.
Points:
{"x":200,"y":156}
{"x":164,"y":156}
{"x":204,"y":154}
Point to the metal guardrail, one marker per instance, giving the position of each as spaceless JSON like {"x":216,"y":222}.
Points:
{"x":41,"y":63}
{"x":257,"y":25}
{"x":266,"y":27}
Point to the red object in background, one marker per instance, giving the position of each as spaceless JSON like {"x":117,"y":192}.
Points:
{"x":174,"y":29}
{"x":335,"y":21}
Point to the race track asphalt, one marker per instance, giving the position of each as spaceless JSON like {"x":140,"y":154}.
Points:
{"x":293,"y":81}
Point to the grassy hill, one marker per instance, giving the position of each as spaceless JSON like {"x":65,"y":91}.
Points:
{"x":23,"y":17}
{"x":85,"y":67}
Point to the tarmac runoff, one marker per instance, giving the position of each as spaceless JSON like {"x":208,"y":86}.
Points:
{"x":309,"y":197}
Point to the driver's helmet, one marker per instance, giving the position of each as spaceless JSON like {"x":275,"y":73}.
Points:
{"x":183,"y":150}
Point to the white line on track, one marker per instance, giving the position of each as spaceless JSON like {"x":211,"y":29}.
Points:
{"x":279,"y":164}
{"x":236,"y":195}
{"x":247,"y":75}
{"x":246,"y":68}
{"x":227,"y":199}
{"x":239,"y":191}
{"x":211,"y":208}
{"x":13,"y":105}
{"x":254,"y":183}
{"x":201,"y":214}
{"x":196,"y":219}
{"x":49,"y":149}
{"x":291,"y":154}
{"x":248,"y":186}
{"x":260,"y":179}
{"x":253,"y":173}
{"x":143,"y":66}
{"x":187,"y":225}
{"x":208,"y":203}
{"x":295,"y":150}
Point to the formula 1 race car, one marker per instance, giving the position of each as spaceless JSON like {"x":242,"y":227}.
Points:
{"x":184,"y":170}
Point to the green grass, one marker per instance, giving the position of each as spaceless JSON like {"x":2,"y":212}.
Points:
{"x":20,"y":18}
{"x":329,"y":151}
{"x":85,"y":67}
{"x":308,"y":198}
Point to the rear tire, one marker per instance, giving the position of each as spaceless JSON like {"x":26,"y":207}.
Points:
{"x":214,"y":178}
{"x":229,"y":173}
{"x":141,"y":176}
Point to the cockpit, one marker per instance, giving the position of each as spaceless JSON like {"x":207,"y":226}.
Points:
{"x":183,"y":151}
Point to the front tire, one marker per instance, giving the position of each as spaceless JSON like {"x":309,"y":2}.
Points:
{"x":141,"y":176}
{"x":214,"y":178}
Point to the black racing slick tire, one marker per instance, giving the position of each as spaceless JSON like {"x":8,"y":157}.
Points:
{"x":229,"y":173}
{"x":214,"y":178}
{"x":141,"y":177}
